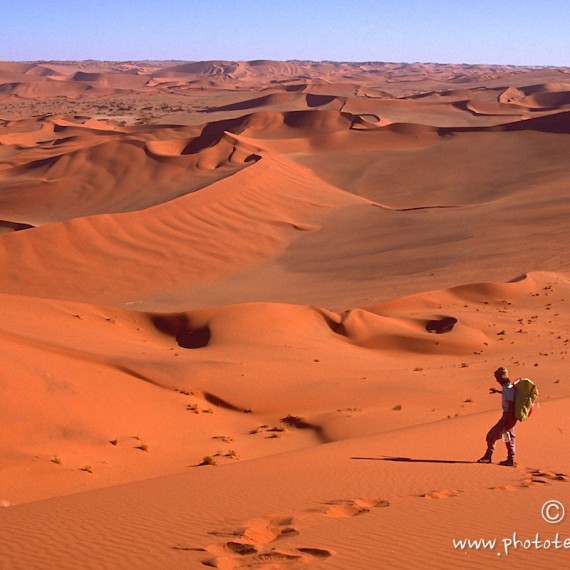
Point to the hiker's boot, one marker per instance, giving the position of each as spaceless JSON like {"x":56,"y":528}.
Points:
{"x":509,"y":461}
{"x":486,"y":458}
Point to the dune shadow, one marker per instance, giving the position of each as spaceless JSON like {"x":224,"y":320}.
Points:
{"x":411,"y":460}
{"x":198,"y":338}
{"x":314,"y":100}
{"x":138,"y":375}
{"x":441,"y":326}
{"x":15,"y":226}
{"x":220,"y":403}
{"x":178,"y":326}
{"x":211,"y":134}
{"x":263,"y":101}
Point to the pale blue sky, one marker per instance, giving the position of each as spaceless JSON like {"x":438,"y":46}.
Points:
{"x":521,"y":32}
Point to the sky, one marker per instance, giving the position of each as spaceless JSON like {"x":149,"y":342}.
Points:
{"x":516,"y":32}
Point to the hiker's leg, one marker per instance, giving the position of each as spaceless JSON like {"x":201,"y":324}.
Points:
{"x":495,"y":433}
{"x":509,"y":428}
{"x":510,"y":445}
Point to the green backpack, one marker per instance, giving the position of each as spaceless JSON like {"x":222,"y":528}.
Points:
{"x":526,"y":394}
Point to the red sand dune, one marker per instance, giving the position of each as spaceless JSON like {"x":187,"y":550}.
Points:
{"x":251,"y":312}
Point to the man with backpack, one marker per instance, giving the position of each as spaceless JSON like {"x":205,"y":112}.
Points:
{"x":504,"y":428}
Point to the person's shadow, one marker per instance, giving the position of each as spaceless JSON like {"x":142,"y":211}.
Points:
{"x":411,"y":460}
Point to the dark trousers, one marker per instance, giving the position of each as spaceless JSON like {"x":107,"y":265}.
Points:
{"x":496,"y":432}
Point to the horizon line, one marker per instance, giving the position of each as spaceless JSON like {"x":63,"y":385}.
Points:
{"x":295,"y":60}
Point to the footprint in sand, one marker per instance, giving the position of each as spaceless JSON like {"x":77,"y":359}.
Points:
{"x":351,"y":507}
{"x":248,"y":546}
{"x":535,"y":478}
{"x":251,"y":556}
{"x":261,"y":530}
{"x":441,"y":494}
{"x":507,"y":488}
{"x":269,"y":557}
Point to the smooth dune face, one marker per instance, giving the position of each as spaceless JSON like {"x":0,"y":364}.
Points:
{"x":251,"y":312}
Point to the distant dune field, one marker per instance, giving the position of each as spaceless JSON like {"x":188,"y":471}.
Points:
{"x":251,"y":313}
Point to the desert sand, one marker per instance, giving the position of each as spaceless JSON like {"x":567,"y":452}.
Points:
{"x":251,"y":312}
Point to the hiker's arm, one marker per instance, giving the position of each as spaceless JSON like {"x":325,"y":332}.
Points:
{"x":494,"y":390}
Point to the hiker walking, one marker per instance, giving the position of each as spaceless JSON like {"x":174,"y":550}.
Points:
{"x":504,"y":428}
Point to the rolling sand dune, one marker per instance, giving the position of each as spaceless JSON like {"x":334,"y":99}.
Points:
{"x":251,"y":311}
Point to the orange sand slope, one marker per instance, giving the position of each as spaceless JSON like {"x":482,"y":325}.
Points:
{"x":245,"y":302}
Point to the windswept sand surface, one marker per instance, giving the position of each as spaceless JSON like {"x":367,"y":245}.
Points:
{"x":251,"y":311}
